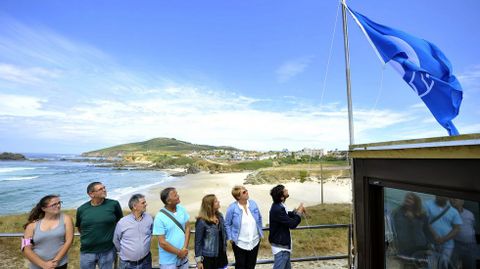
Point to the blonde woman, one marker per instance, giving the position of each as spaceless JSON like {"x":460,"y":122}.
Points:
{"x":210,"y":236}
{"x":243,"y":223}
{"x":48,"y":235}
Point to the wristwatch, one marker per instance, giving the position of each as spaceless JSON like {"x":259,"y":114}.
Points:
{"x":199,"y":259}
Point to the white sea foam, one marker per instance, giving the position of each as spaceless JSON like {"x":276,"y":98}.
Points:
{"x":123,"y":194}
{"x":15,"y":169}
{"x":18,"y":178}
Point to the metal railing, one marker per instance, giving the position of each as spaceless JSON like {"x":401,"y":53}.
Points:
{"x":269,"y":261}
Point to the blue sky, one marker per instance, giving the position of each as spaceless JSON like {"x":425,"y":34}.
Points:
{"x":82,"y":75}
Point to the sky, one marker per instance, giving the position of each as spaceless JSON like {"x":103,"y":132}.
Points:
{"x":264,"y":75}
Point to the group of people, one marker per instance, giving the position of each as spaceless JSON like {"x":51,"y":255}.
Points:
{"x":441,"y":232}
{"x":106,"y":233}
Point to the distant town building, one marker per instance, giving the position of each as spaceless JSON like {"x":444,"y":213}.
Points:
{"x":311,"y":152}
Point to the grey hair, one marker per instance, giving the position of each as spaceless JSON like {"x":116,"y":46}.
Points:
{"x":134,"y":199}
{"x":165,"y":193}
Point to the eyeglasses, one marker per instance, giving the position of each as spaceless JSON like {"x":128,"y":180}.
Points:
{"x":59,"y":203}
{"x":101,"y":189}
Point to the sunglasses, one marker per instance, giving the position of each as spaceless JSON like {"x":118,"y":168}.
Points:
{"x":245,"y":192}
{"x":59,"y":203}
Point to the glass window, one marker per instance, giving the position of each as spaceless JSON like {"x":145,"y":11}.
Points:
{"x":430,"y":231}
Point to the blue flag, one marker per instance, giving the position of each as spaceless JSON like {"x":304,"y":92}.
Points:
{"x":422,"y":65}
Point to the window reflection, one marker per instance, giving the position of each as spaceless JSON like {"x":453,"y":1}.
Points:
{"x":430,"y":231}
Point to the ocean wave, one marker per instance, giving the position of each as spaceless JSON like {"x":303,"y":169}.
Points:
{"x":123,"y":192}
{"x":18,"y":178}
{"x":15,"y":169}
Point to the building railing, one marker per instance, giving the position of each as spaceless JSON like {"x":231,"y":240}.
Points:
{"x":268,"y":261}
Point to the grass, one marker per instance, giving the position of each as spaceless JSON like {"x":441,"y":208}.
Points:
{"x":251,"y":165}
{"x":305,"y":242}
{"x":301,"y":172}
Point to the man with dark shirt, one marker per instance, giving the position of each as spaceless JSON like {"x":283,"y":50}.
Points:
{"x":96,"y":220}
{"x":281,"y":221}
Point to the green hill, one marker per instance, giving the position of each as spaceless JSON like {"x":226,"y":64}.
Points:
{"x":8,"y":156}
{"x":160,"y":144}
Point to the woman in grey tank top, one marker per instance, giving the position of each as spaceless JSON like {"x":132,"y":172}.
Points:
{"x":48,"y":235}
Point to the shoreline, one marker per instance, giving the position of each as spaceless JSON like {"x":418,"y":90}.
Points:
{"x":193,"y":187}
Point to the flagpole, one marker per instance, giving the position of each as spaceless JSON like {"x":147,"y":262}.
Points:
{"x":352,"y":234}
{"x":347,"y":72}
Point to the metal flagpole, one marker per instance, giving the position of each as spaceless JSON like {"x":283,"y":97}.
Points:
{"x":350,"y":127}
{"x":347,"y":71}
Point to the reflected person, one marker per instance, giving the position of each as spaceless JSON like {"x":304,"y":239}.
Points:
{"x":465,"y":242}
{"x":411,"y":226}
{"x":444,"y":224}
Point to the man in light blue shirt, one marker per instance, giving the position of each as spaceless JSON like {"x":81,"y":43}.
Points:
{"x":133,"y":234}
{"x":444,"y":223}
{"x":173,"y":230}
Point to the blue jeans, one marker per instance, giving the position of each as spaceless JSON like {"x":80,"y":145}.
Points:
{"x":181,"y":264}
{"x":282,"y":260}
{"x":441,"y":257}
{"x":103,"y":259}
{"x":145,"y":264}
{"x":466,"y":253}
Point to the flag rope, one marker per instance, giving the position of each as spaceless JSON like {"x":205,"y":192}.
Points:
{"x":329,"y":57}
{"x":380,"y":90}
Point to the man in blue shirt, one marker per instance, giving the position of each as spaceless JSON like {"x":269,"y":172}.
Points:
{"x":173,"y":230}
{"x":133,"y":235}
{"x":444,"y":224}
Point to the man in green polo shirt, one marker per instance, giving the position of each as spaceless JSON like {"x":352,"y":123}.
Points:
{"x":96,"y":220}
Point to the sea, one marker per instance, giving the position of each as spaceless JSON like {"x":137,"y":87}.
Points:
{"x":24,"y":183}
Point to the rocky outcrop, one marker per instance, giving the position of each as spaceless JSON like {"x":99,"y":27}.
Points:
{"x":179,"y":174}
{"x":8,"y":156}
{"x":192,"y":169}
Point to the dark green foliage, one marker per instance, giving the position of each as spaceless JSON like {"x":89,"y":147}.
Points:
{"x":8,"y":156}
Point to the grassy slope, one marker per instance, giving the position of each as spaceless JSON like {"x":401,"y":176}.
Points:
{"x":306,"y":242}
{"x":157,"y":144}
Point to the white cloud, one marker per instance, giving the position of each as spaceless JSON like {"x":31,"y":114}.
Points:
{"x":87,"y":98}
{"x":27,"y":75}
{"x":23,"y":106}
{"x":39,"y":45}
{"x":292,"y":68}
{"x":208,"y":118}
{"x":471,"y":129}
{"x":470,"y":79}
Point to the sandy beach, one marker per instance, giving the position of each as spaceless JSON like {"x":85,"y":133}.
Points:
{"x":193,"y":187}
